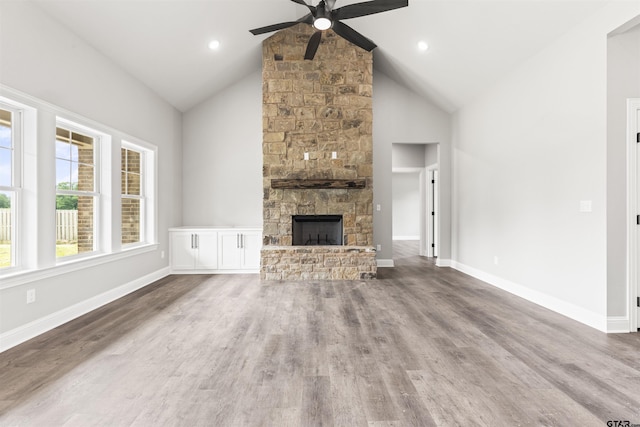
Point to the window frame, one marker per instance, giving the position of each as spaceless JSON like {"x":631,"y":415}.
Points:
{"x":98,"y":192}
{"x":16,"y":185}
{"x":148,"y":185}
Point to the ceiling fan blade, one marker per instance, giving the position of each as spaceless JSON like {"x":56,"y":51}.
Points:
{"x":330,"y":4}
{"x":367,"y":8}
{"x":274,"y":27}
{"x":349,"y":34}
{"x":313,"y":44}
{"x":307,"y":19}
{"x":304,"y":3}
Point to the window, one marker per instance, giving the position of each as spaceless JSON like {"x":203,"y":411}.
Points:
{"x":9,"y":183}
{"x":77,"y":193}
{"x":133,"y":200}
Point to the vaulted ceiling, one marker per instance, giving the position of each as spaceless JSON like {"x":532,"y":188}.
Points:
{"x":472,"y":43}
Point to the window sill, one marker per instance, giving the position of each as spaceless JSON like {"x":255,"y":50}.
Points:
{"x":16,"y":278}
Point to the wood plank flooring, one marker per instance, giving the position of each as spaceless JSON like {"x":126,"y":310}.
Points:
{"x":420,"y":346}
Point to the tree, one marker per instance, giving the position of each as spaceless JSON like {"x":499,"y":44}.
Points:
{"x":5,"y":201}
{"x":67,"y":203}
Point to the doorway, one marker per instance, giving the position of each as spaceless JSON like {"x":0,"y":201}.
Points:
{"x":415,"y":199}
{"x":633,"y":140}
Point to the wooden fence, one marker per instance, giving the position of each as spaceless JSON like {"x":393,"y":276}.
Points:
{"x":5,"y":225}
{"x":66,"y":225}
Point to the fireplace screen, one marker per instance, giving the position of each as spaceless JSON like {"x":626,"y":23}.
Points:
{"x":317,"y":230}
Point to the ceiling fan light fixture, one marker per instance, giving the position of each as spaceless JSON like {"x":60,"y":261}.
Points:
{"x":322,"y":23}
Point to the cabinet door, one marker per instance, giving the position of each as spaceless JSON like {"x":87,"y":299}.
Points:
{"x":251,"y":245}
{"x":183,"y":256}
{"x":229,"y":250}
{"x":207,"y":249}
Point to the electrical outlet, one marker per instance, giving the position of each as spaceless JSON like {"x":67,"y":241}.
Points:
{"x":31,"y":296}
{"x":334,"y":154}
{"x":162,"y":254}
{"x":378,"y":208}
{"x":306,"y":156}
{"x":496,"y":260}
{"x":379,"y":247}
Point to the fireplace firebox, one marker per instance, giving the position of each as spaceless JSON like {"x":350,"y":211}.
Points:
{"x":314,"y":230}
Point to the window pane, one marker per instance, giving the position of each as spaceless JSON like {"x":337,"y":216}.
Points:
{"x":84,"y":175}
{"x":133,"y":162}
{"x":85,"y":224}
{"x":6,"y":234}
{"x":123,"y":159}
{"x":130,"y":221}
{"x":5,"y":167}
{"x":85,"y":150}
{"x":74,"y":152}
{"x":66,"y":225}
{"x":123,"y":182}
{"x":5,"y":135}
{"x":63,"y":150}
{"x":74,"y":225}
{"x":133,"y":184}
{"x":63,"y":174}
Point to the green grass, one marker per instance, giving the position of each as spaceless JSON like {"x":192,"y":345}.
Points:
{"x":61,"y":251}
{"x":5,"y":255}
{"x":66,"y":250}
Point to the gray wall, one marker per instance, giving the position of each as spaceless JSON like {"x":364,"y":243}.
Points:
{"x":400,"y":116}
{"x":623,"y":81}
{"x":406,"y":205}
{"x":408,"y":155}
{"x":525,"y":154}
{"x":223,"y":157}
{"x":46,"y":61}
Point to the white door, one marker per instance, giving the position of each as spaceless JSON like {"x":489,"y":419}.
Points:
{"x":183,"y":256}
{"x":229,"y":250}
{"x":251,"y":245}
{"x":206,"y":243}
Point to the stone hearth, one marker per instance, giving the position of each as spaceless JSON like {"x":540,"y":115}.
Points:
{"x":322,"y":108}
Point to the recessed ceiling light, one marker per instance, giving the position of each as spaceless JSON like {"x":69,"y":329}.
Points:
{"x":423,"y":46}
{"x":214,"y":44}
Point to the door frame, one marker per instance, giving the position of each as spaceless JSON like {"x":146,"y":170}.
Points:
{"x":633,"y":127}
{"x":432,"y":220}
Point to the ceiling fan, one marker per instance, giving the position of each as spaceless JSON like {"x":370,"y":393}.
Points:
{"x":324,"y":16}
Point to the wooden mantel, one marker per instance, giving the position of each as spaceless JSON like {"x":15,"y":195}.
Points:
{"x":305,"y":184}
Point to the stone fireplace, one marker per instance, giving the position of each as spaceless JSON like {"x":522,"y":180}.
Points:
{"x":317,"y":158}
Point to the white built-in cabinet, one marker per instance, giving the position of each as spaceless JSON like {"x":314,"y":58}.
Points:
{"x":239,"y":250}
{"x":215,"y":249}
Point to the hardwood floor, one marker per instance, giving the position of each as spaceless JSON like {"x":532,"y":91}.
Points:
{"x":420,"y":346}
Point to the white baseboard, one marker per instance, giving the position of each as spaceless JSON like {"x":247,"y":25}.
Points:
{"x":406,"y":237}
{"x":385,"y":263}
{"x":443,"y":262}
{"x":32,"y":329}
{"x":618,"y":324}
{"x":567,"y":309}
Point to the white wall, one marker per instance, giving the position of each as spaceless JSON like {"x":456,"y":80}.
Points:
{"x":525,"y":155}
{"x":406,"y":206}
{"x":222,"y":157}
{"x":408,"y":155}
{"x":46,"y":61}
{"x":401,"y":116}
{"x":431,"y":155}
{"x":623,"y":81}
